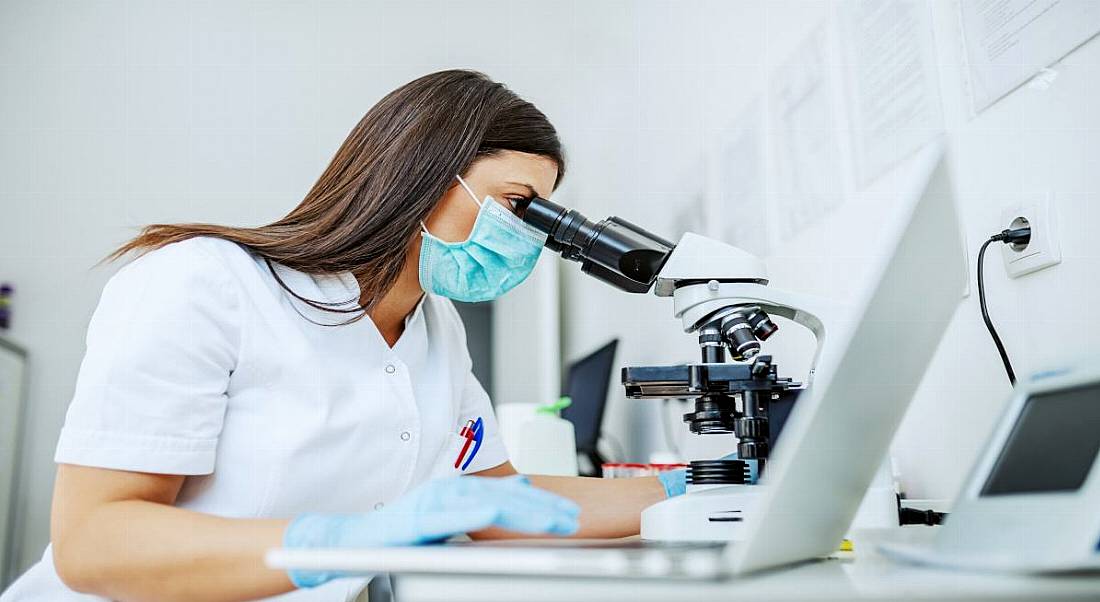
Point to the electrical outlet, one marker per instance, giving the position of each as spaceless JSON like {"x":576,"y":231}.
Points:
{"x":1044,"y":249}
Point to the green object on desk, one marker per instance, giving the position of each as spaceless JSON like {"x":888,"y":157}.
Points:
{"x":556,"y":407}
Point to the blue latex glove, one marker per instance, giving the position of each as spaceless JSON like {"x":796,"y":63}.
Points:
{"x":433,"y":512}
{"x":675,"y":481}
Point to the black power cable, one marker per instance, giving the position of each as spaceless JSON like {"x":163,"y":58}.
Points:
{"x":913,"y":516}
{"x":1019,"y":236}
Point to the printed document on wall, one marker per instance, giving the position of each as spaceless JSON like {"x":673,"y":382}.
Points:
{"x":735,"y":183}
{"x":894,"y":96}
{"x":1009,"y":41}
{"x":808,"y":172}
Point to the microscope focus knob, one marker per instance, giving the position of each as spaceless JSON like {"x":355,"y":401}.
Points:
{"x":749,"y":450}
{"x":751,"y":427}
{"x":752,"y":436}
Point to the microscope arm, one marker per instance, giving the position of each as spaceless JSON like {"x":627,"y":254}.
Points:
{"x":703,"y":276}
{"x":693,"y":303}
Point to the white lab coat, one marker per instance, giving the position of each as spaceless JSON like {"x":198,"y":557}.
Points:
{"x":199,"y":364}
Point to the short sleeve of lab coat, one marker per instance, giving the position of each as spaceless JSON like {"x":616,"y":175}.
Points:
{"x":475,"y":404}
{"x":152,"y":389}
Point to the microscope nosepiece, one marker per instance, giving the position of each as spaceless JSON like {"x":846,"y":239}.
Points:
{"x":762,"y":325}
{"x":740,"y":337}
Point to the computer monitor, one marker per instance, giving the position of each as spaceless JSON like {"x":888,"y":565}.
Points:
{"x":586,"y":383}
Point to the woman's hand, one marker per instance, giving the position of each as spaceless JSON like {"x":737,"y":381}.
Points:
{"x":433,"y":512}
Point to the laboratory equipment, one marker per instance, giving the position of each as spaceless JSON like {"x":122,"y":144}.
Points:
{"x":831,"y":446}
{"x":1030,"y":502}
{"x":510,"y":417}
{"x":586,"y":384}
{"x":546,"y":444}
{"x":721,"y":294}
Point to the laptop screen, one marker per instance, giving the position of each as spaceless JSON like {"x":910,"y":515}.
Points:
{"x":1053,"y":445}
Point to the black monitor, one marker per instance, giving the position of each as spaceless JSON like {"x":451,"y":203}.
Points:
{"x":586,"y":383}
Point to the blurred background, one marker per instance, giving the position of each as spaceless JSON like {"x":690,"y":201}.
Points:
{"x":755,"y":122}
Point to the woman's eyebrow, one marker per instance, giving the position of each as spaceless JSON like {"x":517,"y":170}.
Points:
{"x":530,"y":189}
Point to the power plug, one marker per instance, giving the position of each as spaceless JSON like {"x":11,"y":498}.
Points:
{"x":1043,"y":249}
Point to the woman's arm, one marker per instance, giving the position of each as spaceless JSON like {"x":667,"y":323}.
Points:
{"x":116,"y":534}
{"x":609,"y":507}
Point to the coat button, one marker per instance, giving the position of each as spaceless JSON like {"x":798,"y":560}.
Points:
{"x":390,"y":369}
{"x":379,"y":506}
{"x":406,"y":435}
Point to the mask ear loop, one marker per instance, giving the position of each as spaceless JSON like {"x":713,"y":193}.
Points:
{"x":468,"y":189}
{"x":424,"y":229}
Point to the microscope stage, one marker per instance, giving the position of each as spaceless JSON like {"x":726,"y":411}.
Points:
{"x":683,"y":381}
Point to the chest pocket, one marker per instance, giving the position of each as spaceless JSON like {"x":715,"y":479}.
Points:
{"x":455,"y":452}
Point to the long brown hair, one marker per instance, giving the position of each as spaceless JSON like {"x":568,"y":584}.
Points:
{"x":387,"y":176}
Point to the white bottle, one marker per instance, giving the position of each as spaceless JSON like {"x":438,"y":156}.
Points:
{"x":546,"y":443}
{"x":510,"y":419}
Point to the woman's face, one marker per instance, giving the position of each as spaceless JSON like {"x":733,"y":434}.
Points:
{"x":507,"y":177}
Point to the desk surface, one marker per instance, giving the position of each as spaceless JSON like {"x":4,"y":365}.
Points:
{"x":838,"y":579}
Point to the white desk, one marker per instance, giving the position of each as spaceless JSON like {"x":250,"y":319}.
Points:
{"x":841,"y":579}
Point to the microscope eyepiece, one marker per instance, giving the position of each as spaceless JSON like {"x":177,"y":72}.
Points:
{"x":613,"y":250}
{"x":546,"y":216}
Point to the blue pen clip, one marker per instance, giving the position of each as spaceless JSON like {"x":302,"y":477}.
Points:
{"x":479,"y":432}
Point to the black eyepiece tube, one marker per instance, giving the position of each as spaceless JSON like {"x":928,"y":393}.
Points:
{"x":545,"y":216}
{"x":614,"y":250}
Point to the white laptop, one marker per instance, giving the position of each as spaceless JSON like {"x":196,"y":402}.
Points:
{"x":831,"y":446}
{"x":1032,"y":502}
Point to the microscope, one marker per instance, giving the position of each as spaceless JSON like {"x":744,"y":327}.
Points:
{"x":720,"y":293}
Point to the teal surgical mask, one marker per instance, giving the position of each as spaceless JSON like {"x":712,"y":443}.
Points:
{"x":500,"y":253}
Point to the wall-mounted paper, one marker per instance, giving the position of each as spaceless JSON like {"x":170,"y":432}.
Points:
{"x":690,"y":216}
{"x":807,"y":176}
{"x":1008,"y":41}
{"x":736,"y":183}
{"x":890,"y":66}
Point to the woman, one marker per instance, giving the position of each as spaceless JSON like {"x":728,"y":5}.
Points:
{"x":293,"y":385}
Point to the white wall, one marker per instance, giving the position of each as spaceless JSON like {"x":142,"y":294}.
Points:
{"x":115,"y":114}
{"x":679,"y":75}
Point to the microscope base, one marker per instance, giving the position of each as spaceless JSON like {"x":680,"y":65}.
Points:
{"x":712,"y":514}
